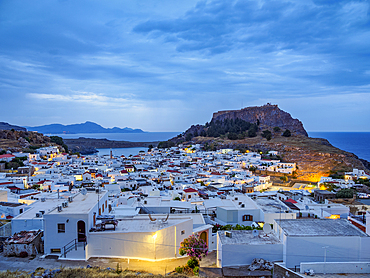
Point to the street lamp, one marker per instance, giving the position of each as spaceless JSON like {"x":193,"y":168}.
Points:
{"x":154,"y":238}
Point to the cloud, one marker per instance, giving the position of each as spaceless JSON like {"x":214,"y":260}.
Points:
{"x":170,"y":64}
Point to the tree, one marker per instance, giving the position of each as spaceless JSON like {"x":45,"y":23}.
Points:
{"x":194,"y":247}
{"x":345,"y":193}
{"x":267,"y":134}
{"x":188,"y":136}
{"x":150,"y":147}
{"x":232,"y":136}
{"x":287,"y":133}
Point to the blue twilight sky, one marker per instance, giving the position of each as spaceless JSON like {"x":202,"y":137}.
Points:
{"x":165,"y":65}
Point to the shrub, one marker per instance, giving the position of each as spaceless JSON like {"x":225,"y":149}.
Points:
{"x":287,"y":133}
{"x":196,"y":270}
{"x":192,"y":263}
{"x":179,"y":269}
{"x":276,"y":129}
{"x":232,"y":136}
{"x":194,"y":247}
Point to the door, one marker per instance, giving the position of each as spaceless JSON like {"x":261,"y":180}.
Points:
{"x":81,"y":231}
{"x":203,"y":236}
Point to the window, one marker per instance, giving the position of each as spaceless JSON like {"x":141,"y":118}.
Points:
{"x":61,"y":228}
{"x":247,"y":217}
{"x":55,"y":250}
{"x":182,"y":232}
{"x":21,"y":211}
{"x":106,"y":203}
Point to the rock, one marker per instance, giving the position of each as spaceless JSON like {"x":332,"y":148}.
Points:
{"x":268,"y":116}
{"x":260,"y":264}
{"x":55,"y":271}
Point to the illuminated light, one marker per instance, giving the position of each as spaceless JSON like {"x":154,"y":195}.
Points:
{"x":333,"y":216}
{"x":154,"y":236}
{"x":261,"y":224}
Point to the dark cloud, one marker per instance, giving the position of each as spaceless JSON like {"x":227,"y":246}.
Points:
{"x":88,"y":60}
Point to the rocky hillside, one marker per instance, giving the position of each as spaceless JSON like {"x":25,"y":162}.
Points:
{"x":6,"y":126}
{"x":16,"y":140}
{"x":268,"y":116}
{"x":315,"y":157}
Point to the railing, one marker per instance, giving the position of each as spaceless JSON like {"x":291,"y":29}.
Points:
{"x":6,"y":230}
{"x":73,"y":244}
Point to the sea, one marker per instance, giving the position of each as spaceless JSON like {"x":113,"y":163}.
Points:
{"x":354,"y":142}
{"x":132,"y":137}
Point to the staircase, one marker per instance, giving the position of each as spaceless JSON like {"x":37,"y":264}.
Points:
{"x":74,"y":249}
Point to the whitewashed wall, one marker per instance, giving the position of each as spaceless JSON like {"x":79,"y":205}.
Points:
{"x":139,"y":244}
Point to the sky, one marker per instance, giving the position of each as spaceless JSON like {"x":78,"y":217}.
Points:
{"x":165,"y":65}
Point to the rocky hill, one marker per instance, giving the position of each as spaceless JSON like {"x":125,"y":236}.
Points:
{"x":268,"y":116}
{"x":17,"y":140}
{"x":6,"y":126}
{"x":315,"y":157}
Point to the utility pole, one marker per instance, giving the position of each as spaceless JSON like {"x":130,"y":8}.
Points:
{"x":325,"y":247}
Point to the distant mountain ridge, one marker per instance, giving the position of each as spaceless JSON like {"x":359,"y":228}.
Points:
{"x":6,"y":126}
{"x":87,"y":127}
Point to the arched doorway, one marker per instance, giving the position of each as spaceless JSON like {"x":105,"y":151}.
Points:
{"x":81,"y":231}
{"x":203,"y":236}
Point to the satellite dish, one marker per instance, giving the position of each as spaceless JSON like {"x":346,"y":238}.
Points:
{"x":255,"y":233}
{"x":83,"y":191}
{"x":267,"y":228}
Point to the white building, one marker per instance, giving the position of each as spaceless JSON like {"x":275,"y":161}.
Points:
{"x":235,"y":248}
{"x":72,"y":222}
{"x":318,"y":240}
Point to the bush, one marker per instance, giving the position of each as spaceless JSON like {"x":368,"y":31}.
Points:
{"x":267,"y":134}
{"x":196,"y":270}
{"x":192,"y":263}
{"x":276,"y":129}
{"x":345,"y":193}
{"x":232,"y":136}
{"x":179,"y":269}
{"x":194,"y":247}
{"x":287,"y":133}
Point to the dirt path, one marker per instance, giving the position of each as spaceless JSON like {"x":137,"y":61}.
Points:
{"x":158,"y":267}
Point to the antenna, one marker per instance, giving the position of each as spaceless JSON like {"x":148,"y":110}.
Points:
{"x":83,"y":191}
{"x":255,"y":233}
{"x":267,"y":228}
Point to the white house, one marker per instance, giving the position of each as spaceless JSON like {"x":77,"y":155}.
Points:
{"x":73,"y":221}
{"x":318,"y":240}
{"x":236,"y":248}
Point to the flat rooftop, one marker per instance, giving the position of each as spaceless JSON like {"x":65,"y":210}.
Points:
{"x":319,"y":227}
{"x":246,"y":237}
{"x":271,"y":205}
{"x":142,"y":223}
{"x":38,"y":206}
{"x":82,"y":204}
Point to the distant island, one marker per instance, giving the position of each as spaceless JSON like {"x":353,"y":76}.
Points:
{"x":87,"y":127}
